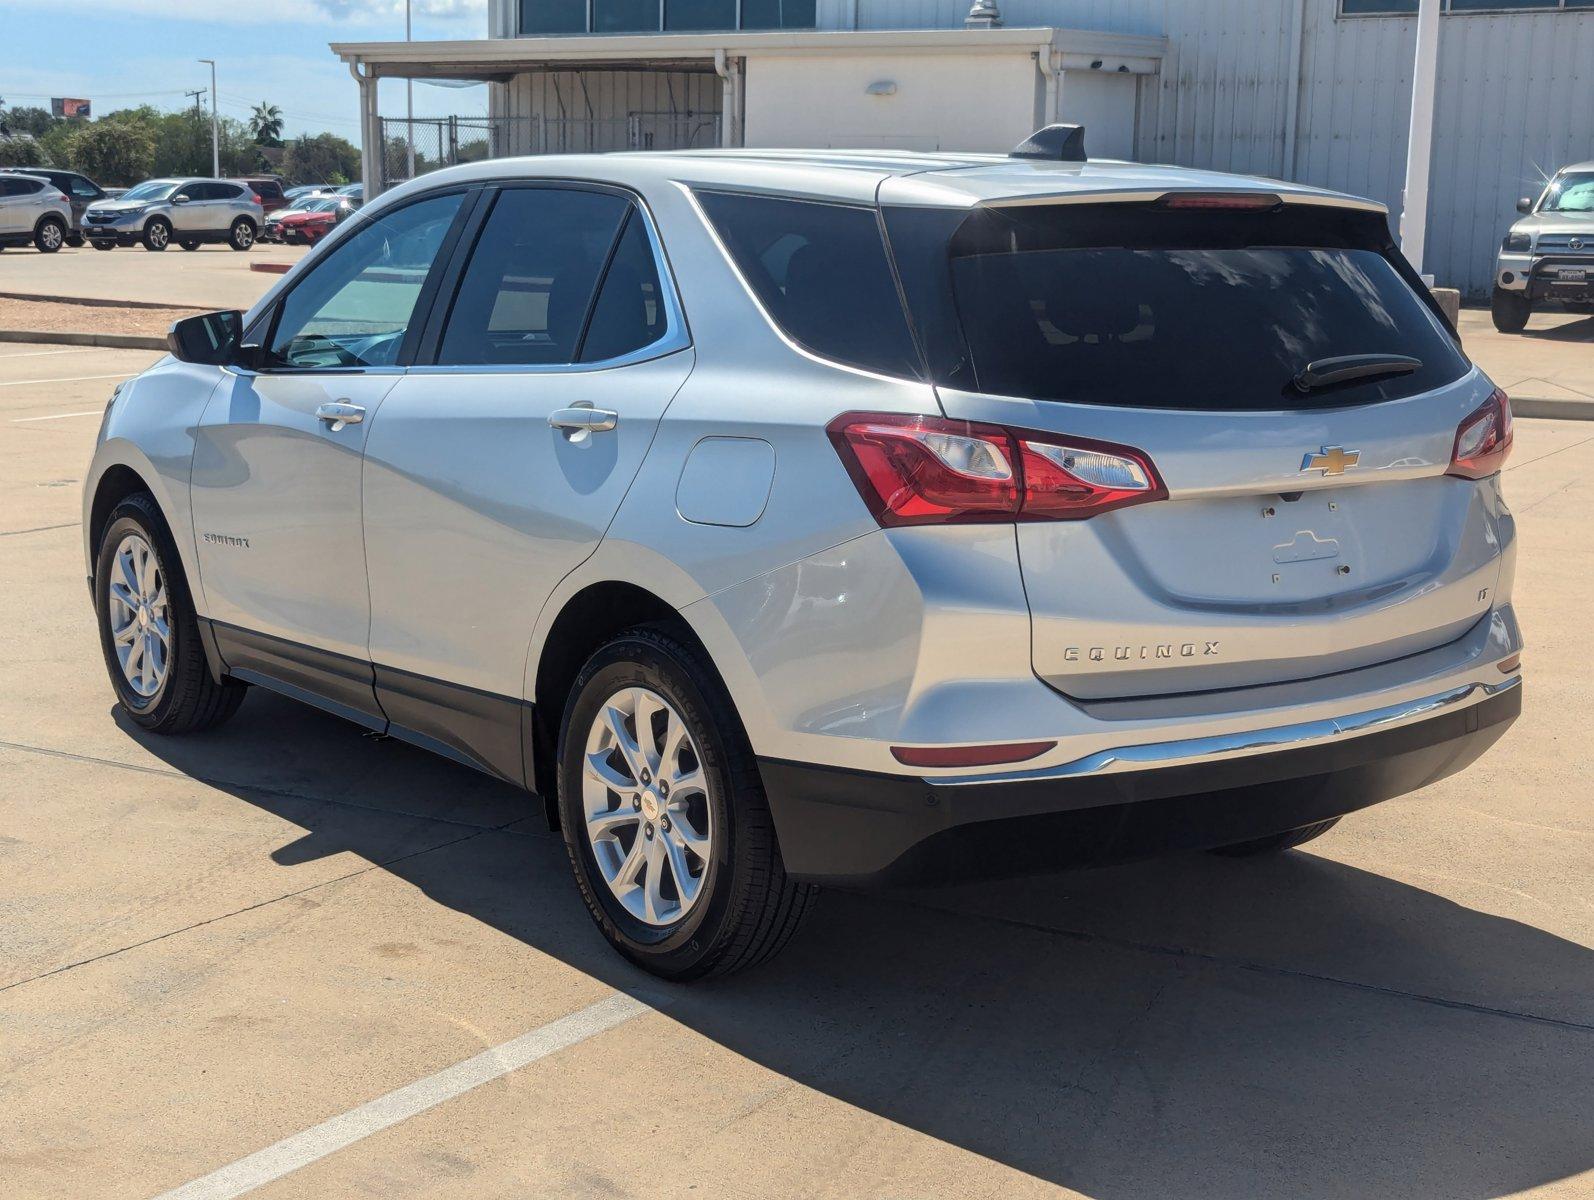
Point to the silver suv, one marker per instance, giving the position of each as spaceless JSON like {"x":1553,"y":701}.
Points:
{"x":787,"y":518}
{"x":33,"y":211}
{"x":189,"y":212}
{"x":1549,"y":254}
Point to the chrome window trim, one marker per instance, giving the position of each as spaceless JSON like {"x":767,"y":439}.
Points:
{"x":1243,"y":743}
{"x":677,"y":334}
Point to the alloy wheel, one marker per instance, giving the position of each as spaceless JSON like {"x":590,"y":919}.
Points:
{"x":51,"y":236}
{"x":140,"y":617}
{"x":646,"y":804}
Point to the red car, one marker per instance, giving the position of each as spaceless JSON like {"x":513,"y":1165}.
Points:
{"x":313,"y":222}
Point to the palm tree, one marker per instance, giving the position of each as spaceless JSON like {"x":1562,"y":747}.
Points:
{"x":265,"y":120}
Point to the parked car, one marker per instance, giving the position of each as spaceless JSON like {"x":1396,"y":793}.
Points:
{"x":834,"y":517}
{"x":33,"y":210}
{"x":1549,"y":254}
{"x":189,"y":212}
{"x":80,"y":191}
{"x":355,"y":191}
{"x":308,"y":189}
{"x":308,"y":225}
{"x":267,"y":190}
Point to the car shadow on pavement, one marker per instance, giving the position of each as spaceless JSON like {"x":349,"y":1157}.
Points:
{"x":1572,"y":331}
{"x":1192,"y":1027}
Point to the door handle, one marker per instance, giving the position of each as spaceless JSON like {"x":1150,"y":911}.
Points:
{"x":584,"y":417}
{"x":340,"y":414}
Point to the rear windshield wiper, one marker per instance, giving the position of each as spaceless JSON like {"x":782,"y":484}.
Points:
{"x":1327,"y":371}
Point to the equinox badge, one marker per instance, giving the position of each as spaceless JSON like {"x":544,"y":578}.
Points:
{"x":1331,"y":460}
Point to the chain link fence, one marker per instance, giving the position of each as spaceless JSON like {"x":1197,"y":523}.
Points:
{"x":447,"y":141}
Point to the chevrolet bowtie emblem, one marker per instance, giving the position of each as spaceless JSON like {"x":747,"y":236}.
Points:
{"x":1331,"y":460}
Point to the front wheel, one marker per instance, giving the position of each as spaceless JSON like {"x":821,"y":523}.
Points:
{"x":1276,"y":842}
{"x":664,"y":815}
{"x":1510,"y":310}
{"x":157,"y":235}
{"x":50,"y":235}
{"x":242,"y":234}
{"x":149,"y":631}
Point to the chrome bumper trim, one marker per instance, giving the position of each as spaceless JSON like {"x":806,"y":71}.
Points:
{"x":1245,"y":742}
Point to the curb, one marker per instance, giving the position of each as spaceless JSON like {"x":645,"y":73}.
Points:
{"x":112,"y":341}
{"x":271,"y":268}
{"x":1554,"y":410}
{"x":90,"y":302}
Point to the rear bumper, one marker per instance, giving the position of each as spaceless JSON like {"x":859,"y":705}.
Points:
{"x":865,"y":828}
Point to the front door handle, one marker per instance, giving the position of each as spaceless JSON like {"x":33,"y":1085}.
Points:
{"x":340,"y":414}
{"x":583,"y":417}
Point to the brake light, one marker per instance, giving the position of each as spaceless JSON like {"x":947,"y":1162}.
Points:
{"x":1483,"y":440}
{"x":931,"y":471}
{"x":1225,"y":201}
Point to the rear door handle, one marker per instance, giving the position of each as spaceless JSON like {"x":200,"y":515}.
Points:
{"x":594,"y":420}
{"x":340,"y":414}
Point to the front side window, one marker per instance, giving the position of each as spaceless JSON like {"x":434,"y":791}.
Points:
{"x":154,"y":189}
{"x":1572,"y":192}
{"x":354,"y":307}
{"x":557,"y":276}
{"x":821,"y":272}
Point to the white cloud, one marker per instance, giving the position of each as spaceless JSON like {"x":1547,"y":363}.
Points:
{"x":387,"y":14}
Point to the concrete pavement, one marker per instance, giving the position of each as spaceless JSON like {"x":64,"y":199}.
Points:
{"x":213,"y":944}
{"x":210,"y":277}
{"x":1549,"y":364}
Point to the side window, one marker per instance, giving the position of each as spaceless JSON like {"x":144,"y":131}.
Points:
{"x":353,"y":308}
{"x":525,"y":296}
{"x":7,"y":187}
{"x":821,"y":272}
{"x":630,"y":312}
{"x":82,"y":187}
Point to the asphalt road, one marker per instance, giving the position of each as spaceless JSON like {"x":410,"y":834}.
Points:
{"x":235,"y":943}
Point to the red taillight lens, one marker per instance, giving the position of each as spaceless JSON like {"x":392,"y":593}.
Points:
{"x":929,"y":470}
{"x":1483,"y":440}
{"x":1224,"y":201}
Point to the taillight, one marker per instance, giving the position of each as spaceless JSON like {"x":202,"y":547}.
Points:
{"x":1483,"y":440}
{"x":929,"y":470}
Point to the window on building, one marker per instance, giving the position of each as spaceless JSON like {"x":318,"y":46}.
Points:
{"x":821,"y":272}
{"x":1385,"y":8}
{"x":650,"y":16}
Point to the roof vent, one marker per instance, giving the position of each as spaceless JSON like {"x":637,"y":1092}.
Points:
{"x":1055,"y":143}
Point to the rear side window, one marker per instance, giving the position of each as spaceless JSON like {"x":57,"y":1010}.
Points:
{"x":527,"y":293}
{"x":1144,"y":307}
{"x":820,"y":270}
{"x":23,"y":187}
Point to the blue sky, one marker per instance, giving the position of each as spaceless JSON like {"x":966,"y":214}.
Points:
{"x":127,"y":52}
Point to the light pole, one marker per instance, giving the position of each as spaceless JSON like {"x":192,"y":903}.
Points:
{"x":215,"y":134}
{"x":409,"y":102}
{"x":1419,"y":140}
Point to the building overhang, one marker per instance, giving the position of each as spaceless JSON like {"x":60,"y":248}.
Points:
{"x":497,"y":59}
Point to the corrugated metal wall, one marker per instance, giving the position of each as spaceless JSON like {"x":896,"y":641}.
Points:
{"x":1516,"y":98}
{"x":588,"y":110}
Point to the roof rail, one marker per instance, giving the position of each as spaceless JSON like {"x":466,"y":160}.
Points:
{"x":1054,"y":143}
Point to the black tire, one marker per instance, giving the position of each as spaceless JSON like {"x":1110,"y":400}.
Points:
{"x":1510,"y":310}
{"x":189,"y":244}
{"x":75,"y":240}
{"x":103,"y":245}
{"x":49,"y":235}
{"x":1276,"y":842}
{"x":242,"y":234}
{"x":748,"y":909}
{"x":189,"y":700}
{"x":157,"y":234}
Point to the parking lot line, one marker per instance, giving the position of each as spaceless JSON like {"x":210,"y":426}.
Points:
{"x":68,"y":379}
{"x":88,"y":412}
{"x":41,"y":353}
{"x":336,"y":1133}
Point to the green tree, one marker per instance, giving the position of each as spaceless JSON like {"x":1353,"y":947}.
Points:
{"x":114,"y":153}
{"x":27,"y":119}
{"x":23,"y":151}
{"x":321,"y":158}
{"x":265,"y":122}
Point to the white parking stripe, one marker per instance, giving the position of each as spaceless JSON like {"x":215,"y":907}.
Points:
{"x":68,"y":379}
{"x":335,"y":1134}
{"x":92,"y":412}
{"x":42,"y":353}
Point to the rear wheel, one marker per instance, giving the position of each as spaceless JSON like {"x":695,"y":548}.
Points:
{"x":664,"y":815}
{"x":242,"y":234}
{"x":149,"y":631}
{"x":1510,"y":310}
{"x":189,"y":244}
{"x":50,"y":235}
{"x":75,"y":240}
{"x":103,"y":245}
{"x":1276,"y":842}
{"x":157,"y":234}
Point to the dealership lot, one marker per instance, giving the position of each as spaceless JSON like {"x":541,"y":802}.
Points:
{"x":213,"y":945}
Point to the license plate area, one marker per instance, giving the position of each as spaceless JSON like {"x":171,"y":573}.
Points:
{"x":1572,"y":274}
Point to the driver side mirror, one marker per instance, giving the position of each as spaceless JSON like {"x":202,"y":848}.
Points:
{"x":1525,"y":205}
{"x":180,"y":198}
{"x":210,"y":338}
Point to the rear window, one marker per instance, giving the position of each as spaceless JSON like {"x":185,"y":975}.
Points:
{"x":1138,"y":306}
{"x":820,"y":271}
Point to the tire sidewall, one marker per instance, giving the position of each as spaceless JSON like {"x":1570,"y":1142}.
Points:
{"x":236,"y":237}
{"x":39,"y":235}
{"x":150,"y":242}
{"x":132,"y":516}
{"x":637,"y":661}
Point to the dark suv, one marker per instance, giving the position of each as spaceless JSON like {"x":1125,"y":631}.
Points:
{"x":80,"y":191}
{"x":267,"y":190}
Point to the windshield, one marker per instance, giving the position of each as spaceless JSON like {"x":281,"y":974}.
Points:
{"x":1138,"y":306}
{"x":154,"y":189}
{"x":1570,"y":193}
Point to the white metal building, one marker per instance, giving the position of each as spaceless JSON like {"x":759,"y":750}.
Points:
{"x":1310,"y":90}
